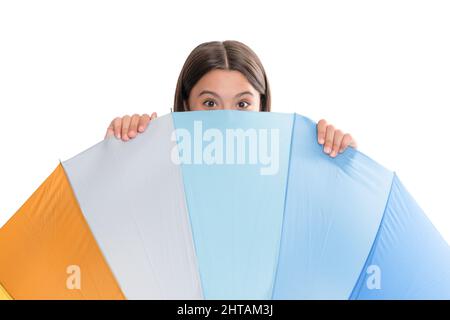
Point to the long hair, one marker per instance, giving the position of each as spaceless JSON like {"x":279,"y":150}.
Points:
{"x":224,"y":55}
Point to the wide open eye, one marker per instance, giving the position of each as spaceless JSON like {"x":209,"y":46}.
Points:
{"x":243,"y":104}
{"x":209,"y":103}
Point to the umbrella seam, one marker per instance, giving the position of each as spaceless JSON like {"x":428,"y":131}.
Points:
{"x":284,"y":207}
{"x":374,"y":243}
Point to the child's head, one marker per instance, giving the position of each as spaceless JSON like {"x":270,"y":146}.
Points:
{"x":222,"y":75}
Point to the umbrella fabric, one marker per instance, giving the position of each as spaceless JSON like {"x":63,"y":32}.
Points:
{"x":222,"y":205}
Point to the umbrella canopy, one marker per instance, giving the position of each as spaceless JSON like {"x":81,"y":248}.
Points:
{"x":222,"y":205}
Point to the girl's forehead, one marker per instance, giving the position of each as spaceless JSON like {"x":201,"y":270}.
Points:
{"x":223,"y":82}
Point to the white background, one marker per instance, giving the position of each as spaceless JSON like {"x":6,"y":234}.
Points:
{"x":377,"y":69}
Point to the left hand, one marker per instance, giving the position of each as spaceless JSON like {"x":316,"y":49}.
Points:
{"x":334,"y":141}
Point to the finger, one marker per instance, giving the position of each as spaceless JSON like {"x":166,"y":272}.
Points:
{"x":321,"y":130}
{"x":109,"y":131}
{"x":329,"y":136}
{"x":153,"y":117}
{"x":117,"y":126}
{"x":353,"y":143}
{"x":125,"y":125}
{"x":132,"y":130}
{"x":338,"y":136}
{"x":143,"y":122}
{"x":347,"y":141}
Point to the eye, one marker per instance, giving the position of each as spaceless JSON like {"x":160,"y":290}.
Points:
{"x":243,"y":104}
{"x":209,"y":103}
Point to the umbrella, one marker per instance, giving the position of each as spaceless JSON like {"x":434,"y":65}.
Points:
{"x":222,"y":205}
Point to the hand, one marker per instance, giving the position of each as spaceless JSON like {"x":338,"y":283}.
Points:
{"x":127,"y":127}
{"x":334,"y":141}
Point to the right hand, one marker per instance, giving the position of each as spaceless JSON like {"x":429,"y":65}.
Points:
{"x":128,"y":127}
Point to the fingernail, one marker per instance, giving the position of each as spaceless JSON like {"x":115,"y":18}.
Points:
{"x":141,"y":128}
{"x":327,"y":149}
{"x":118,"y":136}
{"x":321,"y":140}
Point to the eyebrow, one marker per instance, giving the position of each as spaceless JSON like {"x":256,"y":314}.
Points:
{"x":208,"y":92}
{"x":243,"y":93}
{"x":216,"y":95}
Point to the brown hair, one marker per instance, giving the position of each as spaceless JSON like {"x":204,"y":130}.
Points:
{"x":225,"y":55}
